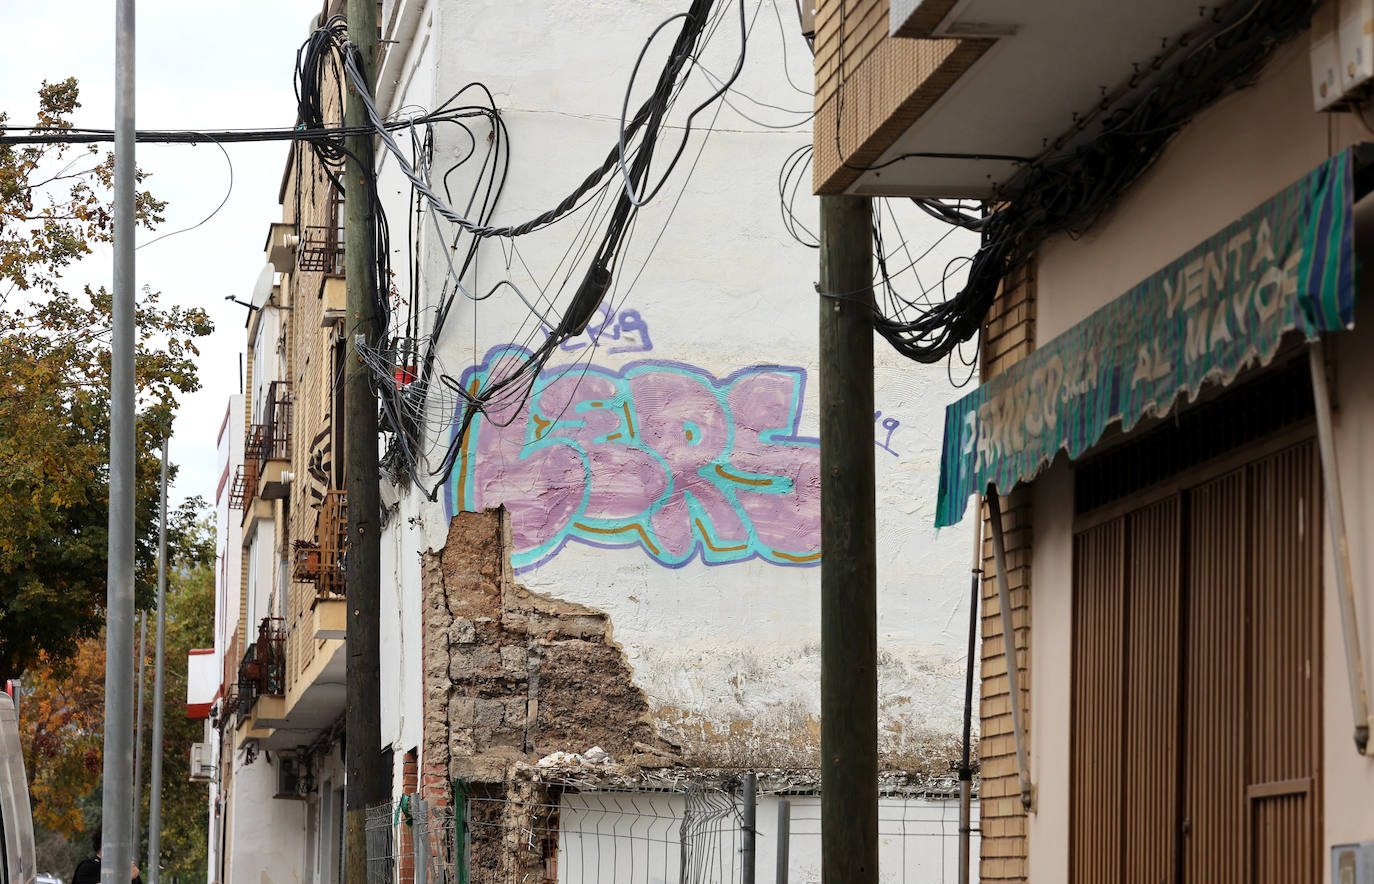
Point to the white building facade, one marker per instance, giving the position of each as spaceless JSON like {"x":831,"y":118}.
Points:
{"x":624,"y":557}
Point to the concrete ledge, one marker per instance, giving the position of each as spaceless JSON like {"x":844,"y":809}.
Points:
{"x":334,"y":295}
{"x":259,"y":510}
{"x":271,"y":485}
{"x":330,"y":619}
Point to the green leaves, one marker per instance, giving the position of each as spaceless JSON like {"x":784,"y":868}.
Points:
{"x":54,"y":409}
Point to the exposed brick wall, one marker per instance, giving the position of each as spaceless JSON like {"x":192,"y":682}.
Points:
{"x":510,"y":676}
{"x":405,"y":841}
{"x":1008,"y":336}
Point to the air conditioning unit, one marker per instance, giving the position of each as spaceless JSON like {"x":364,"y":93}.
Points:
{"x":202,"y":763}
{"x":1342,"y":51}
{"x":291,"y":782}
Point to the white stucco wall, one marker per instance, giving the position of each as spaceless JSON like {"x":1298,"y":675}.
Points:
{"x":228,"y":552}
{"x":404,"y":536}
{"x":228,"y":531}
{"x":728,"y":654}
{"x":261,"y":576}
{"x":267,"y":362}
{"x":266,"y":834}
{"x":1230,"y":159}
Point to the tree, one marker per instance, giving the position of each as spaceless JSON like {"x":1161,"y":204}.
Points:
{"x":54,"y":414}
{"x":62,"y":716}
{"x":62,"y":723}
{"x":190,"y":624}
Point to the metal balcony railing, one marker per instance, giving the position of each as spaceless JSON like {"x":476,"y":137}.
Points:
{"x":321,"y":250}
{"x":262,"y":671}
{"x":245,"y":486}
{"x":320,"y":561}
{"x":263,"y":442}
{"x":271,"y":439}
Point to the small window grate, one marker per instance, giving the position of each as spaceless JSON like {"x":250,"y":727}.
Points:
{"x":1274,"y":401}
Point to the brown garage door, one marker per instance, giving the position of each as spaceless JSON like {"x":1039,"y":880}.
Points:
{"x":1196,"y":666}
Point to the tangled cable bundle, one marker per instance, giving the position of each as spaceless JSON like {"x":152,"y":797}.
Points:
{"x":418,"y":399}
{"x":1068,"y":187}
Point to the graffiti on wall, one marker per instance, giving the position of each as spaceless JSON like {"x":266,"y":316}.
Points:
{"x":657,"y":455}
{"x":622,"y":331}
{"x":890,"y":424}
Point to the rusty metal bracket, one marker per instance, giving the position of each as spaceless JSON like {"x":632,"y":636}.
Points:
{"x":1018,"y":727}
{"x":1340,"y":546}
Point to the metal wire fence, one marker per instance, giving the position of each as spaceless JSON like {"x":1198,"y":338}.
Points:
{"x":693,"y":835}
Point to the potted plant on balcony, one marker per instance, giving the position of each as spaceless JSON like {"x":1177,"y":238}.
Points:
{"x":307,"y":560}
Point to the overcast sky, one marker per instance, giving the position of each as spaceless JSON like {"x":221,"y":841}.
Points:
{"x":200,"y":66}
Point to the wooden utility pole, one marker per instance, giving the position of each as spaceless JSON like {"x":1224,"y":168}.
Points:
{"x":849,"y":586}
{"x":367,"y":784}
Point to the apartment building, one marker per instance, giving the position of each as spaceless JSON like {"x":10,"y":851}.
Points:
{"x":277,"y":721}
{"x":1173,"y":416}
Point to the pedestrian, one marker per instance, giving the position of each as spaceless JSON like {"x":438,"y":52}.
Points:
{"x":88,"y":870}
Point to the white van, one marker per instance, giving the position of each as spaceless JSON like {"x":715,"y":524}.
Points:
{"x":18,"y":863}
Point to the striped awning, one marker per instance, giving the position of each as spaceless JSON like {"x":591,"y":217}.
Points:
{"x":1224,"y":305}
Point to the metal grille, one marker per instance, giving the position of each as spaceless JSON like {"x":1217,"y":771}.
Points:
{"x":638,"y":837}
{"x":262,"y":672}
{"x":1214,"y":847}
{"x":1095,"y":730}
{"x":322,"y":247}
{"x":1279,"y":398}
{"x":245,"y":485}
{"x":321,"y":561}
{"x":1285,"y":667}
{"x":271,"y":440}
{"x":1197,"y":673}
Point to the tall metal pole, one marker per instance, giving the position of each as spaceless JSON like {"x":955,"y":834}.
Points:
{"x":155,"y":784}
{"x":849,"y":621}
{"x":117,"y":778}
{"x":367,"y":783}
{"x":965,"y":753}
{"x":138,"y":732}
{"x":749,"y":827}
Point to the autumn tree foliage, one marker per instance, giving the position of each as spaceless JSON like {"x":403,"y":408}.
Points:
{"x":55,"y":208}
{"x":62,"y":716}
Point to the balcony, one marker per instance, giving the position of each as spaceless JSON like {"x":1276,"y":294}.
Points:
{"x":321,"y":250}
{"x":259,"y":697}
{"x":269,"y":443}
{"x":946,"y":99}
{"x":264,"y":475}
{"x":245,"y":485}
{"x":281,"y":247}
{"x":262,"y":671}
{"x":320,"y":561}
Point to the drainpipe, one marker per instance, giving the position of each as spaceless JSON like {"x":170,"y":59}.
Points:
{"x":1009,"y":645}
{"x":1340,"y":546}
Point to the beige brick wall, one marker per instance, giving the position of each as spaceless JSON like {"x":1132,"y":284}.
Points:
{"x":310,"y":368}
{"x":871,"y":87}
{"x":1008,"y":336}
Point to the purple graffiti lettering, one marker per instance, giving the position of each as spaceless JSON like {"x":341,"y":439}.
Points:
{"x":657,"y":455}
{"x":890,"y":424}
